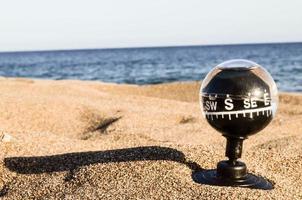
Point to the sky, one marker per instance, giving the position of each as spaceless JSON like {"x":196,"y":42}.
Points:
{"x":77,"y":24}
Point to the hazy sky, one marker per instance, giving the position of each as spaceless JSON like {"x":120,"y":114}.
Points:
{"x":69,"y":24}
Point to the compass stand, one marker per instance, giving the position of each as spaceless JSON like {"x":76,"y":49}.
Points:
{"x":232,"y":172}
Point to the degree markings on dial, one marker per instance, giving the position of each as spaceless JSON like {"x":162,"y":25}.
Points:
{"x":268,"y":111}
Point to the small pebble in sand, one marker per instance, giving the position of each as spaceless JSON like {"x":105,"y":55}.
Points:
{"x":6,"y":137}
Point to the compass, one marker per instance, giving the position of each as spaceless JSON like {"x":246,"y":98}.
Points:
{"x":238,"y":98}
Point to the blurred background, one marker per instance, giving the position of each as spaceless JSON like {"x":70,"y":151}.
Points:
{"x":149,"y":42}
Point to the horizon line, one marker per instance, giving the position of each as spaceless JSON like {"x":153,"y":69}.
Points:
{"x":150,"y":47}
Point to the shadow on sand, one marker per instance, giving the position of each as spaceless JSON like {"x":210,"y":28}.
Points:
{"x":72,"y":161}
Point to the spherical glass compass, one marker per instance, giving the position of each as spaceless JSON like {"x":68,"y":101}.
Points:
{"x":238,"y":98}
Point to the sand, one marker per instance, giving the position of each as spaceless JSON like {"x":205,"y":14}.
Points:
{"x":91,"y":140}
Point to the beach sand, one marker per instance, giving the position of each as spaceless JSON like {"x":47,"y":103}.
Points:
{"x":88,"y":140}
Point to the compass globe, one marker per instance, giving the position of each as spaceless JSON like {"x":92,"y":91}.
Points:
{"x":238,"y":98}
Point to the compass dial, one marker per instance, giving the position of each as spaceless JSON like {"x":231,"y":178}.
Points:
{"x":238,"y":98}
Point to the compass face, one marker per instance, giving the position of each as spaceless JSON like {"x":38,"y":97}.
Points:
{"x":238,"y":98}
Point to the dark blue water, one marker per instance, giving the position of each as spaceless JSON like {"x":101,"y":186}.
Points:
{"x":154,"y":65}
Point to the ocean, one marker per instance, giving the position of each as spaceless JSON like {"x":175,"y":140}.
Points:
{"x":154,"y":65}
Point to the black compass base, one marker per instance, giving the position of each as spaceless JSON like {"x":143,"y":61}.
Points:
{"x":209,"y":177}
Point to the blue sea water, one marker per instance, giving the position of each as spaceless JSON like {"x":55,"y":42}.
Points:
{"x":154,"y":65}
